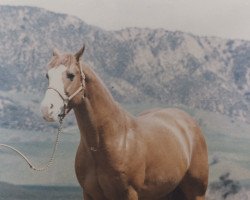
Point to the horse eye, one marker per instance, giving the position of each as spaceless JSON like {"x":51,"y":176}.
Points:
{"x":47,"y":76}
{"x":70,"y":76}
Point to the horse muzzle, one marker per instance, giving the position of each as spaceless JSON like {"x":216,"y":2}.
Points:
{"x":53,"y":105}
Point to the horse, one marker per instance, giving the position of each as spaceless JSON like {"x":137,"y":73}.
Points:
{"x":156,"y":155}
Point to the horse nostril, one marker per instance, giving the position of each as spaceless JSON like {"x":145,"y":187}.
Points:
{"x":51,"y":106}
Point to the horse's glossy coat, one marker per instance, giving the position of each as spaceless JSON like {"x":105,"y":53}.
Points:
{"x":160,"y":154}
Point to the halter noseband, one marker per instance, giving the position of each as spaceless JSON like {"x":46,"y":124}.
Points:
{"x":68,"y":98}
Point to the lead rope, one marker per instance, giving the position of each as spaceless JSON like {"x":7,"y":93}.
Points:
{"x":52,"y":158}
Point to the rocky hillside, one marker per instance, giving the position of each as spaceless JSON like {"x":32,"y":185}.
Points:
{"x":137,"y":65}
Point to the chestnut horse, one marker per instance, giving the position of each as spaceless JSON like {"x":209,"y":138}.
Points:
{"x":160,"y":154}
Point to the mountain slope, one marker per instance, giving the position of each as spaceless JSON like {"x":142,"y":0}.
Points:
{"x":136,"y":64}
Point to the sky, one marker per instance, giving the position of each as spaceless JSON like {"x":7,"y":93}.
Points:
{"x":222,"y":18}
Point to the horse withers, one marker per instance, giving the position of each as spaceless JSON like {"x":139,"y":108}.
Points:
{"x":159,"y":154}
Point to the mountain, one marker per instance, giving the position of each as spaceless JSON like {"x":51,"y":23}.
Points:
{"x":137,"y":65}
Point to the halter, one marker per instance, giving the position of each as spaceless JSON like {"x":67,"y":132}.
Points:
{"x":66,"y":110}
{"x":67,"y":99}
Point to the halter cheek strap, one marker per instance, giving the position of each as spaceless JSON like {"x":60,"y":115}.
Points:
{"x":67,"y":99}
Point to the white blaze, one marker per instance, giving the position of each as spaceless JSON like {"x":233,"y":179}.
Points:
{"x":52,"y":104}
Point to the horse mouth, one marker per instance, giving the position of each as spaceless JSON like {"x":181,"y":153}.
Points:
{"x":48,"y":119}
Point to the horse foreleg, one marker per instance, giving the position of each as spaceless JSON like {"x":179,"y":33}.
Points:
{"x":131,"y":194}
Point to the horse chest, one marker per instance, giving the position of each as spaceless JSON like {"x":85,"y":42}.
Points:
{"x":103,"y":185}
{"x":101,"y":181}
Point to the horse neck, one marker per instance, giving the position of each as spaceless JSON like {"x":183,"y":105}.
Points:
{"x":99,"y":117}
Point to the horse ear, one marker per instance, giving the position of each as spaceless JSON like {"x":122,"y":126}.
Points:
{"x":55,"y":52}
{"x":79,"y":53}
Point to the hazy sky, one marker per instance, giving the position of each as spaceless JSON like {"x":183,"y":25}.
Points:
{"x":223,"y":18}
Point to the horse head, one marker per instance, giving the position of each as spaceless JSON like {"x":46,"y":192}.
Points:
{"x":66,"y":85}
